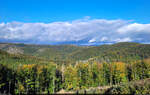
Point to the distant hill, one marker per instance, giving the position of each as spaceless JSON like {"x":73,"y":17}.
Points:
{"x":121,"y":51}
{"x":45,"y":51}
{"x":116,"y":52}
{"x":18,"y":59}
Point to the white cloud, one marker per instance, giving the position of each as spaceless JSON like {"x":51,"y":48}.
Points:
{"x":2,"y":24}
{"x":123,"y":40}
{"x":103,"y":39}
{"x":135,"y":27}
{"x":92,"y":40}
{"x":78,"y":31}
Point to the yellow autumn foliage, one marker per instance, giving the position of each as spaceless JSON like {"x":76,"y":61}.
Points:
{"x":28,"y":66}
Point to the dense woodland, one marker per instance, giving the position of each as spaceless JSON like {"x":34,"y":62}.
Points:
{"x":73,"y":68}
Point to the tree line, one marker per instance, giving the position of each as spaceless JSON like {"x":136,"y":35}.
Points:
{"x":49,"y":77}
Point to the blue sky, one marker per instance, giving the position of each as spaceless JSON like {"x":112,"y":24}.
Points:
{"x":85,"y":22}
{"x":64,"y":10}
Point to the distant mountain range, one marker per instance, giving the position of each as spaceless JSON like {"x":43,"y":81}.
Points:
{"x":124,"y":51}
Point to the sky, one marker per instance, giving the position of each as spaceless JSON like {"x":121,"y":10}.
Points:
{"x":83,"y":22}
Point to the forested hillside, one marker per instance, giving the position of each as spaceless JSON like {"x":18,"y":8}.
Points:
{"x":117,"y":52}
{"x":56,"y":52}
{"x":18,"y":73}
{"x":23,"y":70}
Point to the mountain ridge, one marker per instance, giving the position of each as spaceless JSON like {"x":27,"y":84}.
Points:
{"x":76,"y":53}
